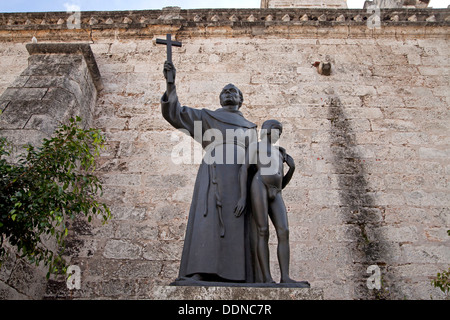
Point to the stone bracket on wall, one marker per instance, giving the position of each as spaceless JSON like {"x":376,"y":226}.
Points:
{"x":70,"y":48}
{"x":61,"y":81}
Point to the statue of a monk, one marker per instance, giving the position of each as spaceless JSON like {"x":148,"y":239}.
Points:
{"x":216,"y":246}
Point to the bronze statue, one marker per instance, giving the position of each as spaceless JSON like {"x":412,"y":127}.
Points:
{"x":225,"y":242}
{"x":266,"y":199}
{"x":215,"y":246}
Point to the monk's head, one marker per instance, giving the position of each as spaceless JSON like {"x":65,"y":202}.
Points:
{"x":231,"y":97}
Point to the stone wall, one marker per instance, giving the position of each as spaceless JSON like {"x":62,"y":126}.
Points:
{"x":370,"y":140}
{"x":60,"y":82}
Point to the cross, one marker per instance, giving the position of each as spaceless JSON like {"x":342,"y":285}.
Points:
{"x":169,"y":43}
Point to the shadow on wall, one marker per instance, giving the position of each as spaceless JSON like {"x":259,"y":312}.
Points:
{"x":359,"y":211}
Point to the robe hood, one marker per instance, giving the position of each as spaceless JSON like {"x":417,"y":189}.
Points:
{"x":233,"y":117}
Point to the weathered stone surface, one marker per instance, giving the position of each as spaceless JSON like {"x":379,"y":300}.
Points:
{"x":56,"y":85}
{"x":25,"y":282}
{"x":234,"y":293}
{"x":120,"y":249}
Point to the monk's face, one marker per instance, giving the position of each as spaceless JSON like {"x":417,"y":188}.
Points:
{"x":230,"y":97}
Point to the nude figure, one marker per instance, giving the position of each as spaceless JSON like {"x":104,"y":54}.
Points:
{"x":266,"y":199}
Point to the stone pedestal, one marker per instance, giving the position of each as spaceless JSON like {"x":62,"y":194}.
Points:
{"x":234,"y":293}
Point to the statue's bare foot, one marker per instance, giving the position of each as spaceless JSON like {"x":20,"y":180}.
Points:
{"x":300,"y":284}
{"x":288,"y":280}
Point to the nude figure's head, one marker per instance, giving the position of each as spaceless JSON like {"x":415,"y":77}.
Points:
{"x":231,"y":96}
{"x":271,"y":129}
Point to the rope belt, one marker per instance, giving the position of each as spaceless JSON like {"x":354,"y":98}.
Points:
{"x":210,"y":149}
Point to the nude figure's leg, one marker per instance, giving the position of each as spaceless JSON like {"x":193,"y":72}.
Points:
{"x":278,"y":215}
{"x":261,"y":216}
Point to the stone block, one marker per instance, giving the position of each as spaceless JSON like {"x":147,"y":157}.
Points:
{"x":423,"y":198}
{"x":9,"y":293}
{"x":59,"y":94}
{"x":122,"y":179}
{"x":44,"y":123}
{"x":22,"y":137}
{"x":25,"y":94}
{"x":394,"y":234}
{"x":15,"y":117}
{"x":19,"y":82}
{"x":338,"y":233}
{"x":434,"y":153}
{"x":116,"y":288}
{"x":366,"y":113}
{"x":162,"y":250}
{"x":18,"y":112}
{"x":27,"y":280}
{"x":436,"y":234}
{"x":410,"y":138}
{"x":131,"y":269}
{"x":132,"y":231}
{"x":76,"y":247}
{"x":43,"y":69}
{"x":431,"y":71}
{"x":393,"y":125}
{"x":120,"y":249}
{"x":423,"y":254}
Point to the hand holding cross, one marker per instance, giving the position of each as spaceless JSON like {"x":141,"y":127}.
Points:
{"x":169,"y":43}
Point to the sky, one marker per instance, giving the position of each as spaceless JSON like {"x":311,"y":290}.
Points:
{"x":111,"y":5}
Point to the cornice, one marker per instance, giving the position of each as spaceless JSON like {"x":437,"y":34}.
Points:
{"x":236,"y":21}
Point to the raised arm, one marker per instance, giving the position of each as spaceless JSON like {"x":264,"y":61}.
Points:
{"x":178,"y":116}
